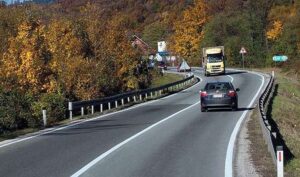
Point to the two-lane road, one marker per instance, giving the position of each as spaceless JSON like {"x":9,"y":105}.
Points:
{"x":167,"y":137}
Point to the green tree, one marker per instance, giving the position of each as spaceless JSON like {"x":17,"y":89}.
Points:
{"x":154,"y":32}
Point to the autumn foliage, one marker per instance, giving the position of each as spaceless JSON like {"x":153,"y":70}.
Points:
{"x":81,"y":49}
{"x":189,"y":32}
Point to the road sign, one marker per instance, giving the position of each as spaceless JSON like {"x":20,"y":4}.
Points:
{"x":280,"y":58}
{"x":243,"y":50}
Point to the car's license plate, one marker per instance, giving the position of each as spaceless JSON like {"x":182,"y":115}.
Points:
{"x":218,"y":95}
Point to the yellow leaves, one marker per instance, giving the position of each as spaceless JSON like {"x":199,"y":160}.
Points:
{"x":188,"y":31}
{"x":132,"y":83}
{"x":26,"y":57}
{"x":275,"y":31}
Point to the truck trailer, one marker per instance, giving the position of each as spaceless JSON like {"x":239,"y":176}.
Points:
{"x":213,"y":60}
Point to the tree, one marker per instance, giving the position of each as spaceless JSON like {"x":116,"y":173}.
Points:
{"x":69,"y":46}
{"x":25,"y":62}
{"x":275,"y":31}
{"x":189,"y":32}
{"x":154,"y":32}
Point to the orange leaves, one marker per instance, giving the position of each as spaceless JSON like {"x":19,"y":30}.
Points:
{"x":188,"y":31}
{"x":275,"y":31}
{"x":27,"y":57}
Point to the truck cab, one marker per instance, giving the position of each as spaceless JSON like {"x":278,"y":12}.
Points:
{"x":213,"y":60}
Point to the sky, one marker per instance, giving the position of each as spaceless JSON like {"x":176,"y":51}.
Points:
{"x":9,"y":1}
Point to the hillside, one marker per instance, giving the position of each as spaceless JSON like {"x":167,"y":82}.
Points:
{"x":81,"y":49}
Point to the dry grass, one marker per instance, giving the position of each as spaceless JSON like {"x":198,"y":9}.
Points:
{"x":259,"y":151}
{"x":286,"y":113}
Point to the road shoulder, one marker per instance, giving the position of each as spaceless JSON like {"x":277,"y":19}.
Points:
{"x":251,"y":154}
{"x":243,"y":164}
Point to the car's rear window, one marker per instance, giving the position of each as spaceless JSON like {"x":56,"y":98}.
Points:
{"x":218,"y":86}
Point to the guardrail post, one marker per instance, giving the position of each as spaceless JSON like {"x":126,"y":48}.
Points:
{"x":44,"y":117}
{"x":134,"y":98}
{"x":108,"y":105}
{"x":70,"y":110}
{"x":101,"y":107}
{"x":93,"y":110}
{"x":280,"y":171}
{"x":273,"y":73}
{"x":160,"y":92}
{"x":82,"y":111}
{"x":141,"y":97}
{"x":122,"y":101}
{"x":146,"y":96}
{"x":151,"y":94}
{"x":116,"y":103}
{"x":128,"y":99}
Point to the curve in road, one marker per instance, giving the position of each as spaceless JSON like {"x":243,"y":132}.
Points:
{"x":177,"y":139}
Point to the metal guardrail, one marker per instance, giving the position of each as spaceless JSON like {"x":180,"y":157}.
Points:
{"x":269,"y":136}
{"x":270,"y":133}
{"x":124,"y":98}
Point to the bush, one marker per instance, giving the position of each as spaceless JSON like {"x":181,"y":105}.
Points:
{"x":54,"y":104}
{"x":15,"y":110}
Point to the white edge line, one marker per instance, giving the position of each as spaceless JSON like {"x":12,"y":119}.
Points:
{"x":95,"y":118}
{"x":231,"y":78}
{"x":105,"y":154}
{"x":230,"y":147}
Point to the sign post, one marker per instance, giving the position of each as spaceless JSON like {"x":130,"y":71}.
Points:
{"x":243,"y":51}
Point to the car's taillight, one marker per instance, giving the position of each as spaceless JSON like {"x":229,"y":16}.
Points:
{"x":231,"y":93}
{"x":203,"y":94}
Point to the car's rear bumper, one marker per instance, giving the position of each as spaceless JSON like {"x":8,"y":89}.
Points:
{"x":218,"y":102}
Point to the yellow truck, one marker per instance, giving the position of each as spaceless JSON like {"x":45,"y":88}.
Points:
{"x":213,"y":60}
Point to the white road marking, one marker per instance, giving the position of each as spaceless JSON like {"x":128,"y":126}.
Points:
{"x":230,"y":147}
{"x":102,"y":156}
{"x":51,"y":130}
{"x":231,"y":78}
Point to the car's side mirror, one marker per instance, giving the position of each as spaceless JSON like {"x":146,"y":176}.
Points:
{"x":237,"y":89}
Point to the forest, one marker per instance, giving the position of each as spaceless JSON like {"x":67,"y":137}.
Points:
{"x":52,"y":53}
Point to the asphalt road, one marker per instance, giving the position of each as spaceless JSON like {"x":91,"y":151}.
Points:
{"x":180,"y":140}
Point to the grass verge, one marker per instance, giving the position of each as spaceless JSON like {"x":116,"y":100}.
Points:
{"x":260,"y":156}
{"x":285,"y":111}
{"x":165,"y":79}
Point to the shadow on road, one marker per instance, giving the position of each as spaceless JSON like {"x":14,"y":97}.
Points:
{"x":228,"y":109}
{"x":235,"y":72}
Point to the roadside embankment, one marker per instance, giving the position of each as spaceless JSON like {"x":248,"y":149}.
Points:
{"x":283,"y":112}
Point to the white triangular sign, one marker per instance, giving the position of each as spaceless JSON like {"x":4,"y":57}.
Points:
{"x":243,"y":50}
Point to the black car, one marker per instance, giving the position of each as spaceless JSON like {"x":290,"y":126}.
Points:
{"x":219,"y":95}
{"x":162,"y":65}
